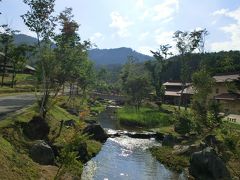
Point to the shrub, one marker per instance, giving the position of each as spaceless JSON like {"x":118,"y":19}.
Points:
{"x":183,"y":123}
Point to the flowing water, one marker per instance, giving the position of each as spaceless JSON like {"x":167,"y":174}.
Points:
{"x":125,"y":158}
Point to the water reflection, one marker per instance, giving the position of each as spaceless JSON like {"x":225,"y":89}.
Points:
{"x":126,"y":158}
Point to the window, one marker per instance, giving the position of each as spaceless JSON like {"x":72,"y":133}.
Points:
{"x":217,"y":91}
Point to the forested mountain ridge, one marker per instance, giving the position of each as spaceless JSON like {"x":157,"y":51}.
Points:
{"x":115,"y":56}
{"x":99,"y":56}
{"x":222,"y":62}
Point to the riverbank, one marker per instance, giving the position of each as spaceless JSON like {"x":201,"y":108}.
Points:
{"x":145,"y":117}
{"x":64,"y":138}
{"x":178,"y":149}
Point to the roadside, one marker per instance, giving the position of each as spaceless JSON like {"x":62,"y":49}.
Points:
{"x":9,"y":104}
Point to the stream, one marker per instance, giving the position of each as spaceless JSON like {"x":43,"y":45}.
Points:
{"x":125,"y":158}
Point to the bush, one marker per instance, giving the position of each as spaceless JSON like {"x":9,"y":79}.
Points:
{"x":183,"y":123}
{"x":231,"y":141}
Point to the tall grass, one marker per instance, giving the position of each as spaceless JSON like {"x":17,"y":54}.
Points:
{"x":144,"y":117}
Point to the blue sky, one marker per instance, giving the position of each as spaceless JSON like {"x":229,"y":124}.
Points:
{"x":143,"y":24}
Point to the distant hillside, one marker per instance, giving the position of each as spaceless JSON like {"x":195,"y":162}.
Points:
{"x":24,"y":39}
{"x":115,"y":56}
{"x":99,"y":56}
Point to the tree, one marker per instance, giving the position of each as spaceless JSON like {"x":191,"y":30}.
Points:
{"x":202,"y":83}
{"x":72,"y":53}
{"x":39,"y":19}
{"x":135,"y":82}
{"x":6,"y":40}
{"x":157,"y":67}
{"x":18,"y":58}
{"x":137,"y":88}
{"x":186,"y":43}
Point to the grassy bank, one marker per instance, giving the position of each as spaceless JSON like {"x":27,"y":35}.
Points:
{"x":144,"y":117}
{"x":165,"y":156}
{"x":14,"y":158}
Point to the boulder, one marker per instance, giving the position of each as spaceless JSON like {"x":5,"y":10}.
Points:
{"x":42,"y":153}
{"x":207,"y":165}
{"x":82,"y":152}
{"x":169,"y":140}
{"x":159,"y":136}
{"x":210,"y":140}
{"x":96,"y":132}
{"x":36,"y":129}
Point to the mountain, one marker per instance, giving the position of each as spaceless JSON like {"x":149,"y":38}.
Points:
{"x":99,"y":56}
{"x":24,"y":39}
{"x":115,"y":56}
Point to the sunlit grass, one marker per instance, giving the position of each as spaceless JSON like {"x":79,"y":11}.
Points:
{"x":144,"y":117}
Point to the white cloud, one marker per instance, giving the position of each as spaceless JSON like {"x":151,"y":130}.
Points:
{"x":120,"y":23}
{"x":220,"y":12}
{"x":97,"y":36}
{"x":165,"y":10}
{"x":233,"y":29}
{"x":165,"y":37}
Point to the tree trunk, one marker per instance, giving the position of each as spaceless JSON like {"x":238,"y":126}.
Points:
{"x":13,"y":75}
{"x":4,"y":64}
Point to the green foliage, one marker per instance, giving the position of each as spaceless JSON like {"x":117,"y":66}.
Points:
{"x":202,"y":83}
{"x":232,"y":141}
{"x":156,"y":69}
{"x":144,"y":117}
{"x":69,"y":157}
{"x":214,"y":112}
{"x":135,"y":82}
{"x":39,"y":18}
{"x":183,"y":122}
{"x":165,"y":156}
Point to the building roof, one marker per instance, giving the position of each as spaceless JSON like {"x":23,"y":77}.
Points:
{"x":188,"y":90}
{"x":30,"y":68}
{"x":169,"y":83}
{"x":172,"y":93}
{"x":226,"y":78}
{"x":228,"y":96}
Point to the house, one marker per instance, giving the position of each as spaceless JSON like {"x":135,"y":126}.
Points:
{"x":173,"y":92}
{"x":9,"y":68}
{"x":225,"y":94}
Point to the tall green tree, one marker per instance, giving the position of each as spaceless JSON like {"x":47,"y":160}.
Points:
{"x":40,"y":20}
{"x":135,"y":82}
{"x":157,"y":67}
{"x":202,"y":83}
{"x":6,"y":41}
{"x":72,"y":54}
{"x":18,"y":57}
{"x":186,"y":43}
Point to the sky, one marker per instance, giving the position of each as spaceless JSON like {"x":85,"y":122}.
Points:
{"x":143,"y":25}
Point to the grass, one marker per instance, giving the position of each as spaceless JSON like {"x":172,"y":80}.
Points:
{"x":23,"y":115}
{"x":16,"y":165}
{"x":15,"y":162}
{"x":165,"y":156}
{"x":145,"y":117}
{"x":24,"y":83}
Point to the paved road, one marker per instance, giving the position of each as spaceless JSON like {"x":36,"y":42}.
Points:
{"x":10,"y":104}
